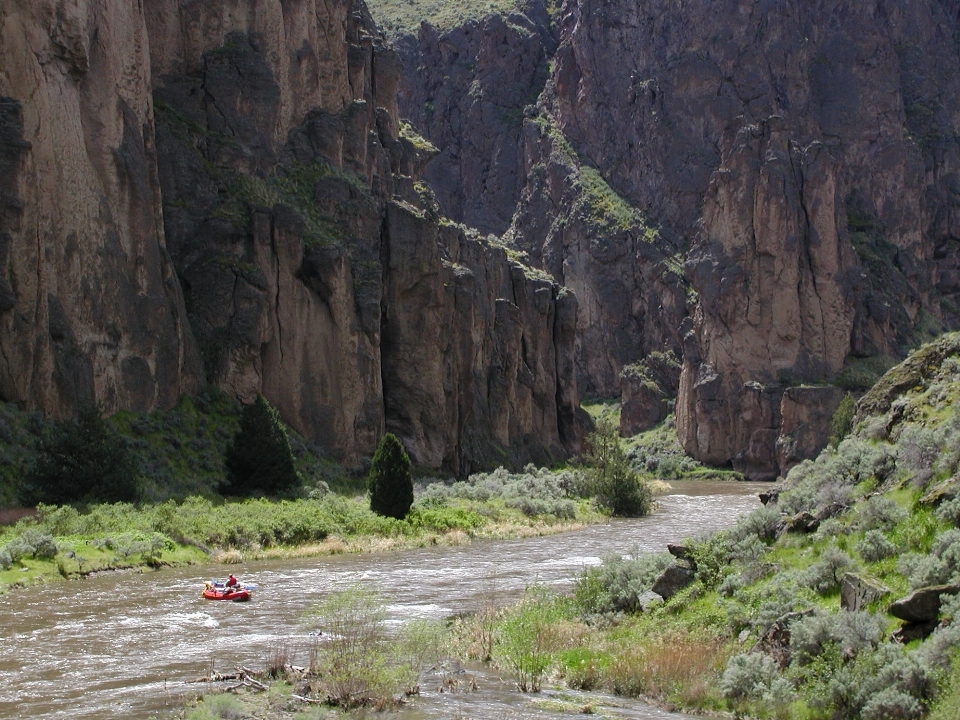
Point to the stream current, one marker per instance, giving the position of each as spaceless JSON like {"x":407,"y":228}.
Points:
{"x":125,"y":645}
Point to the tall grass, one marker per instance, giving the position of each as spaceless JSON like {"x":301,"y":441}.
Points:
{"x":680,"y":666}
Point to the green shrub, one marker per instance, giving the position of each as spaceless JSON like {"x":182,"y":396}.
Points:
{"x":389,"y":482}
{"x":357,"y":662}
{"x":874,"y":546}
{"x":748,"y":676}
{"x":842,"y":421}
{"x":218,"y":707}
{"x":259,"y":460}
{"x":617,"y":488}
{"x":6,"y":560}
{"x":82,"y":460}
{"x":527,"y":639}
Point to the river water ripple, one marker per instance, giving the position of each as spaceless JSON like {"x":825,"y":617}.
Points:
{"x":125,"y":645}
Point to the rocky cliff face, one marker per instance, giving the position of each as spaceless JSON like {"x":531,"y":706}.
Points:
{"x":90,"y":306}
{"x":239,"y":208}
{"x":800,"y":162}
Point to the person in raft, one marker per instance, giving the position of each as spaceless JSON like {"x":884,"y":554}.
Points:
{"x":232,"y":582}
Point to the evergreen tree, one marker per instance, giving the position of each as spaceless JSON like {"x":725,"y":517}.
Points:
{"x":616,"y":486}
{"x":259,"y":460}
{"x":81,"y":461}
{"x":389,"y":482}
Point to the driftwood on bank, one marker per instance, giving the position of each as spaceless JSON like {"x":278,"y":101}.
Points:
{"x":242,"y":677}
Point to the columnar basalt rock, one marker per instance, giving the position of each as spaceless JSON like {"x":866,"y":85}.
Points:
{"x":316,"y":267}
{"x":277,"y":240}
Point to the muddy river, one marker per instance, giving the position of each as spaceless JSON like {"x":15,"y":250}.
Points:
{"x":126,"y":645}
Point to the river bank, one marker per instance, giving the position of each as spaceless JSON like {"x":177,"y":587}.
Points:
{"x":128,"y":644}
{"x":124,"y":538}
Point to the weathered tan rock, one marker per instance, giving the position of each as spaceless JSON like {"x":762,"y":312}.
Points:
{"x":857,"y":591}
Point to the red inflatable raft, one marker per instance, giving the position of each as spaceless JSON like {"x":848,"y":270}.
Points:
{"x":216,"y":591}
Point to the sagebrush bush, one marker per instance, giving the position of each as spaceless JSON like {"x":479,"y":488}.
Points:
{"x":891,"y":704}
{"x":940,"y":649}
{"x":825,"y":574}
{"x":6,"y":561}
{"x":875,"y":546}
{"x":534,"y":491}
{"x":879,"y":513}
{"x":619,"y":581}
{"x":762,"y":523}
{"x":748,"y":676}
{"x":749,"y":549}
{"x":949,"y":512}
{"x":38,"y":544}
{"x":862,"y":682}
{"x":772,"y":600}
{"x":731,"y":584}
{"x":917,"y":448}
{"x":810,"y":635}
{"x":941,"y":566}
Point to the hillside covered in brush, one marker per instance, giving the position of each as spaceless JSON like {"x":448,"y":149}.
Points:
{"x":840,"y":598}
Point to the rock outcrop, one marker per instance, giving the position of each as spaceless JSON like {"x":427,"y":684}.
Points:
{"x":90,"y":306}
{"x":220,"y":192}
{"x":770,"y":189}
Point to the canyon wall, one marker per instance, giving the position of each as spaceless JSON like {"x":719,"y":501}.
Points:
{"x":219,"y":193}
{"x":90,"y":306}
{"x":767,"y":188}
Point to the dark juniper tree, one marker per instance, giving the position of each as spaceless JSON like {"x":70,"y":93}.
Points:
{"x":82,"y":460}
{"x":389,"y":482}
{"x":259,"y":461}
